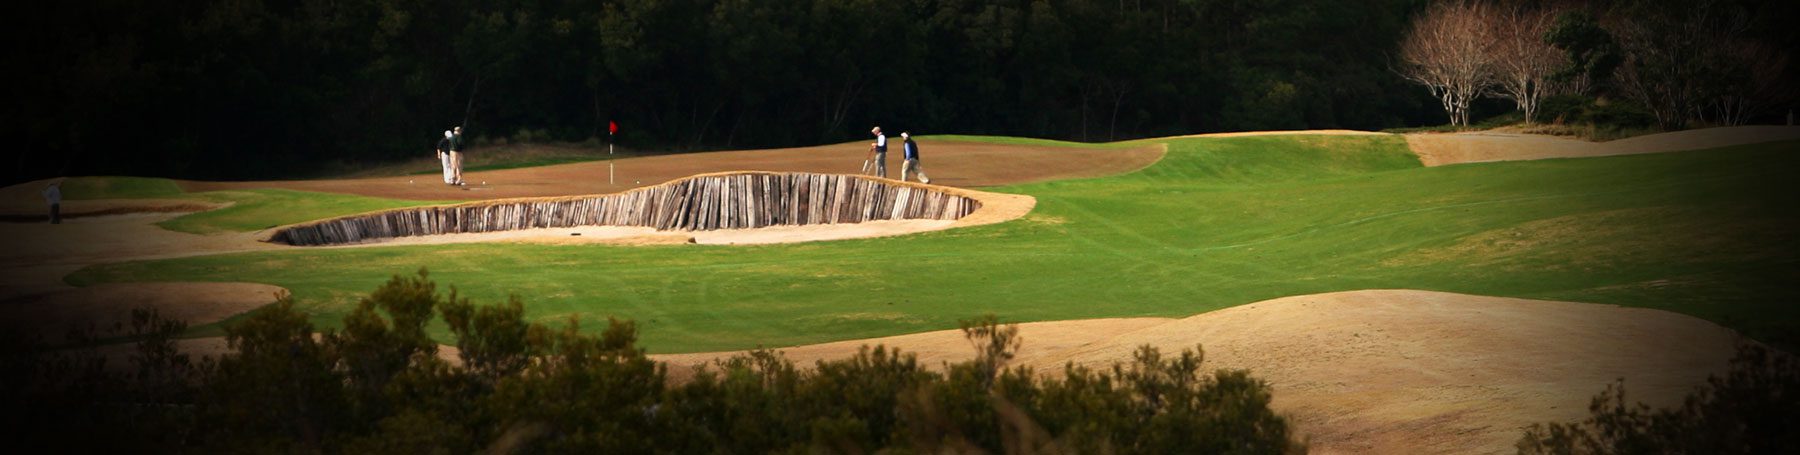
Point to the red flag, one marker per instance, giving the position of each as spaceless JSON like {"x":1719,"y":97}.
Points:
{"x":612,"y":127}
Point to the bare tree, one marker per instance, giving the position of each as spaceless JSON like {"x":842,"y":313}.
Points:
{"x":1449,"y":51}
{"x":1523,"y":60}
{"x":1673,"y":57}
{"x":1751,"y":79}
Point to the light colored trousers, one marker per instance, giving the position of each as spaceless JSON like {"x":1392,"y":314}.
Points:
{"x":456,"y":164}
{"x":449,"y":167}
{"x":913,"y":166}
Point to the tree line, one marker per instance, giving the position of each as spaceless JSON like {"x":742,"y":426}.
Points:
{"x":378,"y":385}
{"x":1684,"y":64}
{"x":228,"y":89}
{"x":266,"y":88}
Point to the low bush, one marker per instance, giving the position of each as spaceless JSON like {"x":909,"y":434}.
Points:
{"x":1753,"y":409}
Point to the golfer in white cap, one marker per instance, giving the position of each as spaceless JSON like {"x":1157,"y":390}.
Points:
{"x":880,"y":146}
{"x":53,"y":197}
{"x":443,"y":149}
{"x":456,"y":156}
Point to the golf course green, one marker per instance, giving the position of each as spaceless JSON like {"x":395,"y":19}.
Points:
{"x":1218,"y":222}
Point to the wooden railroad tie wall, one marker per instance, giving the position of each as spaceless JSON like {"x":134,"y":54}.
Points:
{"x":703,"y":203}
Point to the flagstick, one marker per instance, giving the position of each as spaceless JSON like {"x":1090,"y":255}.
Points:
{"x":609,"y":158}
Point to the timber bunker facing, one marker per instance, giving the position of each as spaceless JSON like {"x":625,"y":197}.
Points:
{"x":701,"y":203}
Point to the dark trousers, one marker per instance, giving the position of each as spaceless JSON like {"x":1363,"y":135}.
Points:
{"x":55,"y":213}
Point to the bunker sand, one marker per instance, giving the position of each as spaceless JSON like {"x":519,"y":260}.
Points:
{"x":1475,"y":147}
{"x":1385,"y":371}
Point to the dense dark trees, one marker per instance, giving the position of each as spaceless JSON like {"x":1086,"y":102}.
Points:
{"x":255,"y":88}
{"x":262,"y":88}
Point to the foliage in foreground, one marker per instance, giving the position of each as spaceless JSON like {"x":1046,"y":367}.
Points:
{"x":379,"y":385}
{"x":1755,"y":408}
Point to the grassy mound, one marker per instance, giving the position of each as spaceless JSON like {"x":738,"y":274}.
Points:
{"x":1218,"y":222}
{"x":247,"y":210}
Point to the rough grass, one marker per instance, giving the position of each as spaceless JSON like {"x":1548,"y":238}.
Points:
{"x":78,"y":188}
{"x":1218,"y":222}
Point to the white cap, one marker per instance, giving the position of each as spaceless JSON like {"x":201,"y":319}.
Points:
{"x":448,"y":134}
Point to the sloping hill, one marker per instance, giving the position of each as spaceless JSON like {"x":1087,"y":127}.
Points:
{"x":1387,"y":371}
{"x":1475,"y":147}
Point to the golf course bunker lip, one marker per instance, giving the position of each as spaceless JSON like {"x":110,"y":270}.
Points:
{"x":709,"y":202}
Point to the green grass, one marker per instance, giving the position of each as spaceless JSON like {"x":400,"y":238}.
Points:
{"x":254,"y":210}
{"x":1218,"y":222}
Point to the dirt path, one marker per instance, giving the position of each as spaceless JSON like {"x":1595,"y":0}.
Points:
{"x":958,"y":164}
{"x":1444,"y":149}
{"x":1388,"y":371}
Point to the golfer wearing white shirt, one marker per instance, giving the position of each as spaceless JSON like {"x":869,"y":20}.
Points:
{"x":53,"y":196}
{"x":880,"y":152}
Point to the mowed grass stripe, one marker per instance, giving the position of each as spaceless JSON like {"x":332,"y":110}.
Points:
{"x":1218,"y":222}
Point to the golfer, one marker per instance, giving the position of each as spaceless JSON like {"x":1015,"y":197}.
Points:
{"x":910,"y":152}
{"x":456,"y":156}
{"x":53,"y":196}
{"x":880,"y":146}
{"x":443,"y":151}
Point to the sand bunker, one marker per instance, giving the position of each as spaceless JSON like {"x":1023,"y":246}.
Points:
{"x":623,"y":235}
{"x":36,"y":256}
{"x":1443,"y":149}
{"x":1389,"y":371}
{"x":712,"y":202}
{"x":108,"y":307}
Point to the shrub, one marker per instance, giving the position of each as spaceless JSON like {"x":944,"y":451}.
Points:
{"x":1755,"y":408}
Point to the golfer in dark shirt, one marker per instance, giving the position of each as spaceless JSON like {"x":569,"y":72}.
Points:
{"x":911,"y":155}
{"x":456,"y":155}
{"x":443,"y":153}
